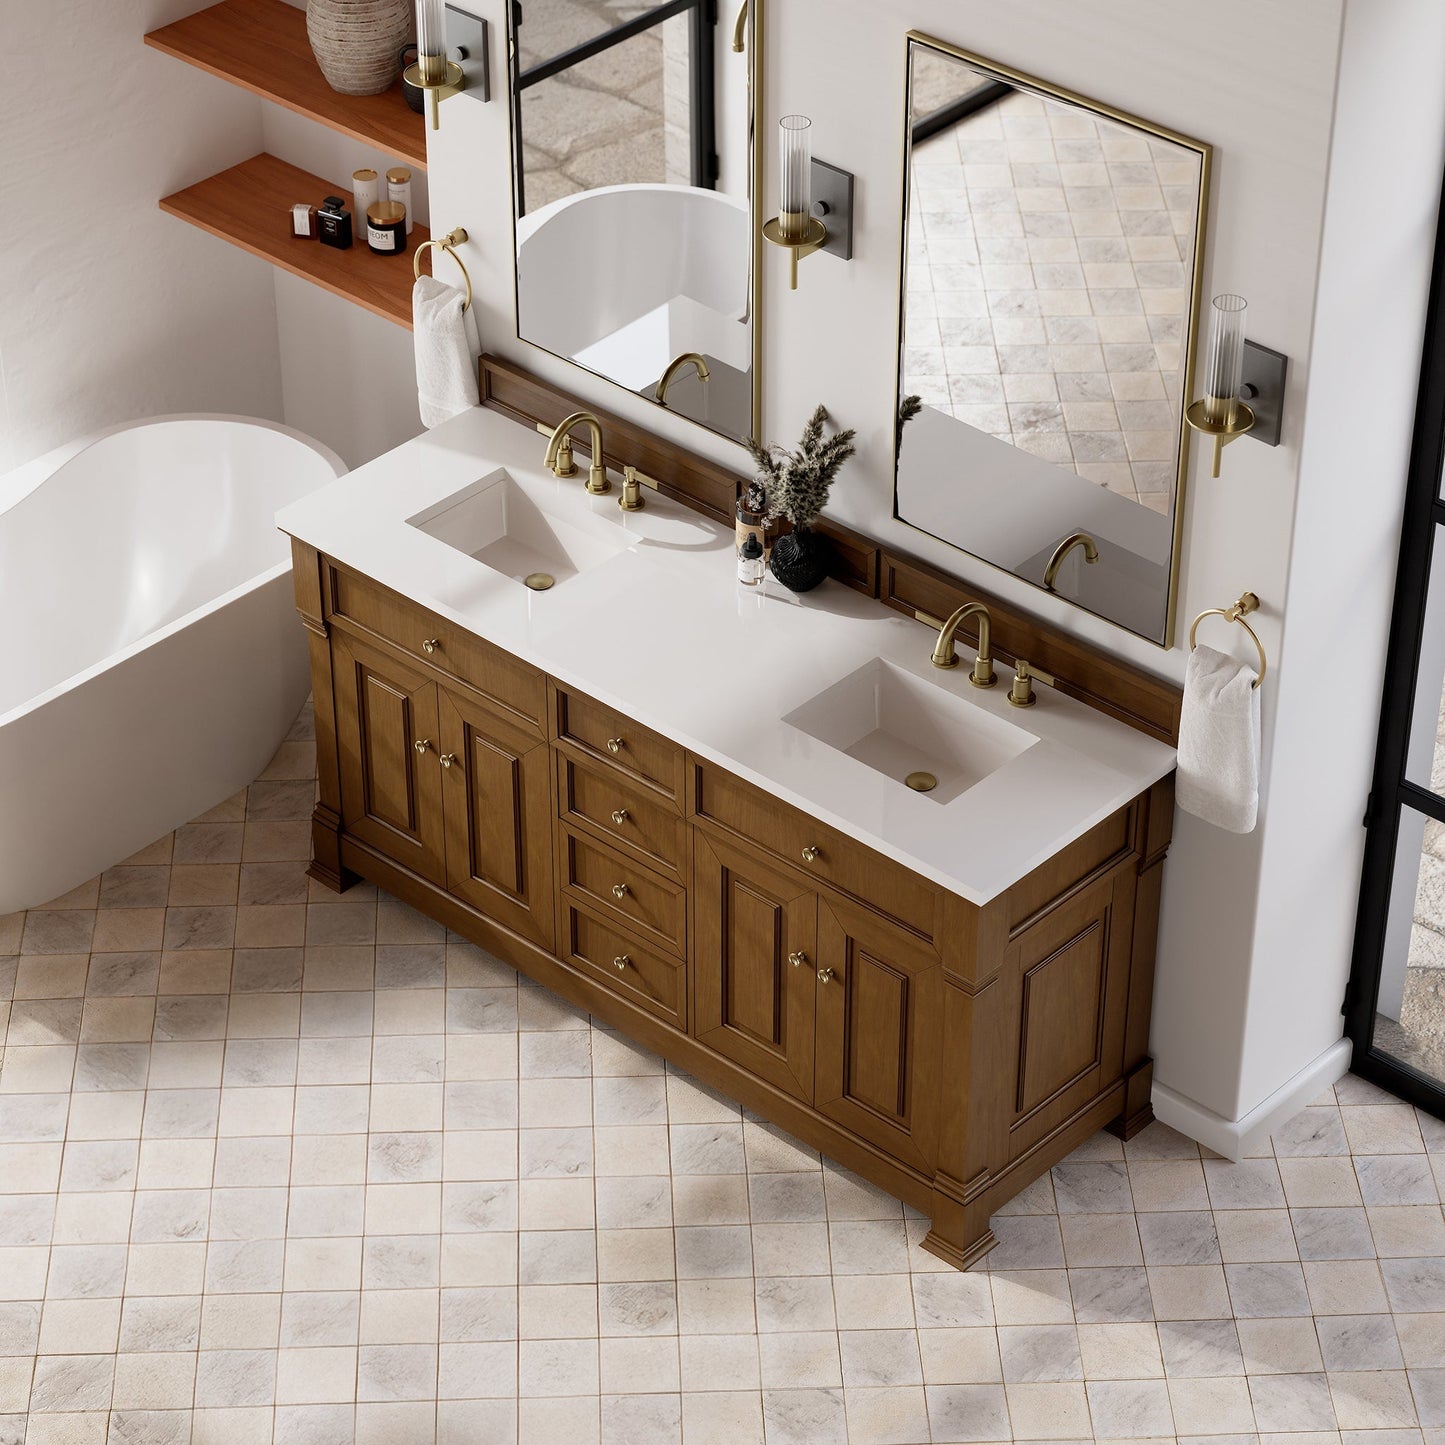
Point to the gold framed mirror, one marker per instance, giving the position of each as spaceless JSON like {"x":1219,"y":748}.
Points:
{"x":1048,"y":305}
{"x":634,"y":165}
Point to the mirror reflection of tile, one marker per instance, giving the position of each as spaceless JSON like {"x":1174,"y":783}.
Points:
{"x":1048,"y":284}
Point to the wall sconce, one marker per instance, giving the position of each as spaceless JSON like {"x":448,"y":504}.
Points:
{"x":815,"y":204}
{"x":443,"y":71}
{"x":1243,"y":383}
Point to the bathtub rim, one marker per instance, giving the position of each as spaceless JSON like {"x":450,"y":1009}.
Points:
{"x":33,"y":475}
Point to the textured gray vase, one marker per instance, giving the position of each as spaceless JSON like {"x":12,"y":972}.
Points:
{"x":355,"y":42}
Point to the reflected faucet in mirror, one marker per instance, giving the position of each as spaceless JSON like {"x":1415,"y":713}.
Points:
{"x":982,"y":674}
{"x":1074,"y":539}
{"x":559,"y":451}
{"x":740,"y":29}
{"x":675,"y":368}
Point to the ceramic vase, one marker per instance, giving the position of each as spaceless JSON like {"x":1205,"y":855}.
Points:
{"x":355,"y":42}
{"x":800,"y":560}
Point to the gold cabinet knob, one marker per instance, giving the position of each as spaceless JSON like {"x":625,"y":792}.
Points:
{"x":422,"y":744}
{"x":619,"y":890}
{"x":810,"y":855}
{"x":447,"y":759}
{"x":825,"y":975}
{"x":621,"y":962}
{"x":797,"y":959}
{"x":430,"y":645}
{"x":615,"y":745}
{"x":619,"y":816}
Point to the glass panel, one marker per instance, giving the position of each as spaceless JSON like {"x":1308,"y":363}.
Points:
{"x":620,"y":118}
{"x":1410,"y":1010}
{"x":1425,"y":757}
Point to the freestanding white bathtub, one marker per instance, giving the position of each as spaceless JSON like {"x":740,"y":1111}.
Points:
{"x":150,"y":658}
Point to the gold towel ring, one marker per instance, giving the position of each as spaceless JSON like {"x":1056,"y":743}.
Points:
{"x":1247,"y":603}
{"x":451,"y":239}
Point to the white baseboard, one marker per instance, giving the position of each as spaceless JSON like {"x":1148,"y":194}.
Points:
{"x":1233,"y":1138}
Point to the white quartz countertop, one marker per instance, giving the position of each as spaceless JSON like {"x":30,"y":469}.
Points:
{"x":663,"y":632}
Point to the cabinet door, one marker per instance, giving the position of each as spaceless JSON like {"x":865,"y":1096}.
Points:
{"x":498,"y":806}
{"x":753,"y":967}
{"x":390,"y":783}
{"x":1066,"y":980}
{"x":880,"y":994}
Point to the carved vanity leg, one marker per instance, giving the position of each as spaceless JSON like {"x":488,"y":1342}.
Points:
{"x":1153,"y":825}
{"x":973,"y":1109}
{"x":326,"y":869}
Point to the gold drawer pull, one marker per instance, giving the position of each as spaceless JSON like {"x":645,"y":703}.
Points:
{"x":619,"y":890}
{"x":825,"y":975}
{"x":810,"y":855}
{"x":615,"y":745}
{"x":619,"y":816}
{"x":621,"y":962}
{"x":430,"y":645}
{"x":797,"y":959}
{"x":447,"y":759}
{"x":422,"y":744}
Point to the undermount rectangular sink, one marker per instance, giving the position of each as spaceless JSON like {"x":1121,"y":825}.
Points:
{"x":498,"y":524}
{"x":900,"y":725}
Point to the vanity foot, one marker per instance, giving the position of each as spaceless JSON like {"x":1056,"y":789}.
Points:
{"x":1138,"y":1111}
{"x":959,"y":1258}
{"x":326,"y":866}
{"x":337,"y":880}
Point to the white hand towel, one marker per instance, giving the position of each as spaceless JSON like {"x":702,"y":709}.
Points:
{"x":447,"y":348}
{"x":1218,"y":777}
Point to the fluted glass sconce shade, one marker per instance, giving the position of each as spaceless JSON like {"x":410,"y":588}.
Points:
{"x":1219,"y":413}
{"x":431,"y":41}
{"x":795,"y":157}
{"x":1224,"y":365}
{"x":433,"y":72}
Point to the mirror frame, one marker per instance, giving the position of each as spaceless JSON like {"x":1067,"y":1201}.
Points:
{"x":1020,"y":80}
{"x":754,"y":41}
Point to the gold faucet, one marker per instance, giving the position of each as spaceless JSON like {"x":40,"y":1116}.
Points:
{"x":1074,"y":539}
{"x":559,"y":452}
{"x":982,"y":674}
{"x":674,"y":367}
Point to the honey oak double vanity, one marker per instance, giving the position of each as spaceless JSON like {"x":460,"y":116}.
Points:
{"x":679,"y":803}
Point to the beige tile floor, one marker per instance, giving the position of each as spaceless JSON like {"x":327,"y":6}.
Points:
{"x":277,"y":1165}
{"x":1048,"y":282}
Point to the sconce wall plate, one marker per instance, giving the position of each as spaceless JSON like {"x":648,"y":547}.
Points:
{"x":468,"y":45}
{"x":1263,"y":389}
{"x":833,"y":205}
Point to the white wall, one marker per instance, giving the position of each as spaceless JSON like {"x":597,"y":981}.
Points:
{"x":110,"y":309}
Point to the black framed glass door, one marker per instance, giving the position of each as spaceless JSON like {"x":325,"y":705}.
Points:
{"x":1395,"y":1005}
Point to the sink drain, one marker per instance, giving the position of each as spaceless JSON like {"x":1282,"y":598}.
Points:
{"x":921,"y":782}
{"x":538,"y":581}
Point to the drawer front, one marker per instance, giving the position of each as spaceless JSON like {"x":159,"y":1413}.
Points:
{"x":613,"y":738}
{"x":627,"y":813}
{"x":812,"y":848}
{"x":621,"y":963}
{"x":440,"y":645}
{"x":621,"y":889}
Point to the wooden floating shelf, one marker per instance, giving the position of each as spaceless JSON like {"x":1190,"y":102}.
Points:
{"x":250,"y":206}
{"x":261,"y":45}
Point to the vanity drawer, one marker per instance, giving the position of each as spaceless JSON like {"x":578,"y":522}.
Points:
{"x":613,"y":738}
{"x":620,"y":888}
{"x":496,"y":674}
{"x":628,"y":814}
{"x":814,"y":849}
{"x":619,"y":962}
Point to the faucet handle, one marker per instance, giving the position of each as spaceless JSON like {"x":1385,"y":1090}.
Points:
{"x":1021,"y":694}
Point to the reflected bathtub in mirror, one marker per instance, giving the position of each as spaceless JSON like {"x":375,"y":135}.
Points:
{"x":1048,"y":304}
{"x":633,"y":158}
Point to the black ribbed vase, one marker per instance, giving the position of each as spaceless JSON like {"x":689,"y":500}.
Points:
{"x":800,"y":560}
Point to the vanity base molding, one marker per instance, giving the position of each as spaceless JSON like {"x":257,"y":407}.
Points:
{"x":948,"y":1053}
